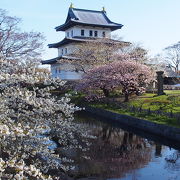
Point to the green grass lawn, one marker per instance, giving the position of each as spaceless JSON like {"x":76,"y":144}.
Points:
{"x":160,"y":119}
{"x":169,"y":92}
{"x":167,"y":103}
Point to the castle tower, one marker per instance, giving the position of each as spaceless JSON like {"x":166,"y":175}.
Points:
{"x":81,"y":25}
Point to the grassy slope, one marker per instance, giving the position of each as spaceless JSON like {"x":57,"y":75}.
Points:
{"x":150,"y":117}
{"x":169,"y":102}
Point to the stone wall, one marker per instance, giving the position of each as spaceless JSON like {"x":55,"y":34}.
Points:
{"x":158,"y":129}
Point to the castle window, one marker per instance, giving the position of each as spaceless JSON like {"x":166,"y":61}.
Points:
{"x":65,"y":50}
{"x":95,"y":33}
{"x":72,"y":33}
{"x":62,"y":52}
{"x":103,"y":34}
{"x":90,"y":33}
{"x":67,"y":34}
{"x":82,"y":32}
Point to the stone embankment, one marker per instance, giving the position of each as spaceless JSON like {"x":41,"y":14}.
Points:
{"x":151,"y":127}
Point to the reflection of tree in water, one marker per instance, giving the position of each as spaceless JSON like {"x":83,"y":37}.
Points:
{"x":173,"y":161}
{"x":158,"y":149}
{"x":113,"y":153}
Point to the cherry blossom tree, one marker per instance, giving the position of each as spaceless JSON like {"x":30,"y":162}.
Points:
{"x":130,"y":75}
{"x":93,"y":52}
{"x":30,"y":115}
{"x":28,"y":111}
{"x":134,"y":52}
{"x":96,"y":52}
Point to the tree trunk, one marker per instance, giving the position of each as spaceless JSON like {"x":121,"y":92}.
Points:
{"x":106,"y":92}
{"x":126,"y":97}
{"x":158,"y":150}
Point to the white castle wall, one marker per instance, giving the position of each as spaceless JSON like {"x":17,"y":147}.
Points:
{"x":57,"y":70}
{"x":77,"y":31}
{"x":70,"y":48}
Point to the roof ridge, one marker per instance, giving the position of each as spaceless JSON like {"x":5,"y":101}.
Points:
{"x":87,"y":10}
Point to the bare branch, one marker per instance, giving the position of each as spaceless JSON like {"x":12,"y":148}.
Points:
{"x":15,"y":44}
{"x":173,"y":56}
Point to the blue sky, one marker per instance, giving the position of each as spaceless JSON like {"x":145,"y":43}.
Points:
{"x":154,"y":24}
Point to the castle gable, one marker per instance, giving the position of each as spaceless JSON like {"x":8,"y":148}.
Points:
{"x":87,"y":18}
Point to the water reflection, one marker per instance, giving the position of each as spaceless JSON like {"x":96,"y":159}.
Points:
{"x":173,"y":161}
{"x":116,"y":154}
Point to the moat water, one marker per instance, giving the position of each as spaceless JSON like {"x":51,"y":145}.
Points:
{"x":121,"y":153}
{"x":118,"y":152}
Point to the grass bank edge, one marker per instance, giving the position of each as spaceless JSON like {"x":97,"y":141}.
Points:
{"x":159,"y":119}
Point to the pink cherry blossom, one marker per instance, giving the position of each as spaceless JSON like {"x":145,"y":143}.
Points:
{"x":131,"y":76}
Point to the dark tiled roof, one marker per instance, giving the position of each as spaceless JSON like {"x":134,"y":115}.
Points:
{"x":65,"y":41}
{"x":88,"y":17}
{"x":54,"y":60}
{"x":80,"y":39}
